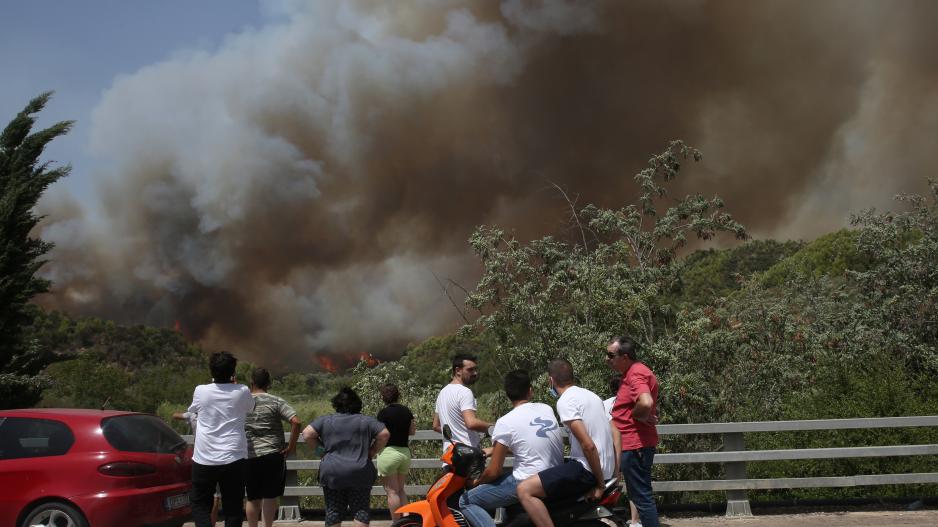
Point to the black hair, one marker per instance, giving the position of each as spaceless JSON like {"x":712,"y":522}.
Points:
{"x":627,"y":346}
{"x":389,"y":393}
{"x":517,"y":385}
{"x":261,"y":378}
{"x":460,"y":358}
{"x":222,"y":365}
{"x":614,"y":383}
{"x":347,"y":401}
{"x":561,"y":371}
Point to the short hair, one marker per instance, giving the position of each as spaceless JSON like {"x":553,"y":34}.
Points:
{"x":261,"y":378}
{"x":627,"y":346}
{"x":561,"y":371}
{"x":614,"y":383}
{"x":389,"y":393}
{"x":517,"y":385}
{"x":460,"y":358}
{"x":347,"y":401}
{"x":222,"y":365}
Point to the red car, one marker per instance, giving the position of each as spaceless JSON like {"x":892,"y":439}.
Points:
{"x":91,"y":468}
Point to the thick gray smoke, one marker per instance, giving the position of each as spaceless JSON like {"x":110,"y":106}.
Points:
{"x":290,"y":194}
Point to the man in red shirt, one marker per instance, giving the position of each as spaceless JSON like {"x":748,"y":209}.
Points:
{"x":634,"y":414}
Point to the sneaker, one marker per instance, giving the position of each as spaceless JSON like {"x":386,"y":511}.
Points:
{"x":636,"y":524}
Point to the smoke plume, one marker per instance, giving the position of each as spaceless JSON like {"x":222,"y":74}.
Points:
{"x":290,"y":194}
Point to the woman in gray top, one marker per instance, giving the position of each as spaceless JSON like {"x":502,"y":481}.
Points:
{"x":350,"y":441}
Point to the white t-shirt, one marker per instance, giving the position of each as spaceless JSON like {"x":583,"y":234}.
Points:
{"x":450,"y":403}
{"x":607,"y":404}
{"x":580,"y":403}
{"x":532,"y":434}
{"x":221,"y":409}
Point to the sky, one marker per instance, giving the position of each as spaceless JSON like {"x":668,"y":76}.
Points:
{"x":289,"y":178}
{"x":78,"y":49}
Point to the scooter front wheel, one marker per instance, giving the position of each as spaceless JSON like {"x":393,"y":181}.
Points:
{"x":411,"y":520}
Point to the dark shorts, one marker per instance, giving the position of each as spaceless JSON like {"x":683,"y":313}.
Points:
{"x":567,"y":480}
{"x":266,"y":476}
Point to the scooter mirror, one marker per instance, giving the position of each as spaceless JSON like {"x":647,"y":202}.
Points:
{"x":447,"y":433}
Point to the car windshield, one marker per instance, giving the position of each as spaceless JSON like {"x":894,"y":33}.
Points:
{"x":141,"y":433}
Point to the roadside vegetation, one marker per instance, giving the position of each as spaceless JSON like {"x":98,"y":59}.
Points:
{"x":842,"y":326}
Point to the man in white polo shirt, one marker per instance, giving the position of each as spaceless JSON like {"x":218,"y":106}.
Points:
{"x":220,"y":444}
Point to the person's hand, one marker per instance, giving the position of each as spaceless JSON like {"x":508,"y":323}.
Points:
{"x":487,"y":451}
{"x":287,"y":450}
{"x":595,"y":493}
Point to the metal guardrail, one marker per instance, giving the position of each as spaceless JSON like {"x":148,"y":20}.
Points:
{"x":733,"y":455}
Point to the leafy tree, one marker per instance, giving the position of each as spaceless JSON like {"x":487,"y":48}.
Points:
{"x":23,"y":179}
{"x":710,"y":274}
{"x":552,"y":297}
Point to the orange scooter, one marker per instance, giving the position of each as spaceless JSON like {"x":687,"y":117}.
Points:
{"x":461,"y":461}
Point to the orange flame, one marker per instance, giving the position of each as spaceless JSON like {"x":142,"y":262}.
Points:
{"x":326,"y":363}
{"x":368,"y":359}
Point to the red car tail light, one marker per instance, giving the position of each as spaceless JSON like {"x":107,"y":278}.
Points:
{"x":127,"y":469}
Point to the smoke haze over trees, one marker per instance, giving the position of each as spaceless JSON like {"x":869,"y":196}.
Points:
{"x":288,"y":193}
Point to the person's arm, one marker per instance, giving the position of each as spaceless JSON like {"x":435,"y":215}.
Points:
{"x":495,"y":466}
{"x":311,"y":436}
{"x":380,"y":441}
{"x":643,"y":409}
{"x":436,"y":423}
{"x":473,"y":422}
{"x":294,"y":434}
{"x":181,"y":416}
{"x":578,"y":429}
{"x":617,"y":445}
{"x":413,"y":427}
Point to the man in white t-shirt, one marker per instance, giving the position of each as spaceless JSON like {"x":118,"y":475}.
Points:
{"x":592,"y":453}
{"x":220,"y":444}
{"x":456,"y":405}
{"x":530,"y":432}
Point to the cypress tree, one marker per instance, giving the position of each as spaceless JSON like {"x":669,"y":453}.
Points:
{"x":23,"y":179}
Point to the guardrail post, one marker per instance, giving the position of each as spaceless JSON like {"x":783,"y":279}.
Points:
{"x":289,"y":510}
{"x":737,"y":501}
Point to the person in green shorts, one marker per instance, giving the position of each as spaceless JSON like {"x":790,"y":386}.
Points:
{"x":394,"y":459}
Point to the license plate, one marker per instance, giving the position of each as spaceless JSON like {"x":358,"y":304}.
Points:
{"x":176,"y":502}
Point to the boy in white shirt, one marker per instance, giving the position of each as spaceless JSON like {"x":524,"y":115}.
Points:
{"x":530,"y":432}
{"x":592,"y":452}
{"x":220,"y":444}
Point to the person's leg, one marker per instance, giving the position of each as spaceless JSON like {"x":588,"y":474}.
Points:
{"x":394,"y":488}
{"x":335,"y":506}
{"x":270,"y":507}
{"x":203,"y":489}
{"x":232,"y":493}
{"x":253,"y":510}
{"x":252,"y":481}
{"x":633,"y":514}
{"x":529,"y":493}
{"x":359,"y":504}
{"x":636,"y":467}
{"x":216,"y":504}
{"x":476,"y":503}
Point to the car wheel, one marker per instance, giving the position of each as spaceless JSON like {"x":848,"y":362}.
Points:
{"x":55,"y":514}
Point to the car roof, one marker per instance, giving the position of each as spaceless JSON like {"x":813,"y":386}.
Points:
{"x":63,"y":413}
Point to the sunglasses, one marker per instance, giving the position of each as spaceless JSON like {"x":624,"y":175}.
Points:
{"x":610,"y":355}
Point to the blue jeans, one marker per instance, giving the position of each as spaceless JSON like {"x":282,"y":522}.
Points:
{"x":636,"y":469}
{"x":475,"y":503}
